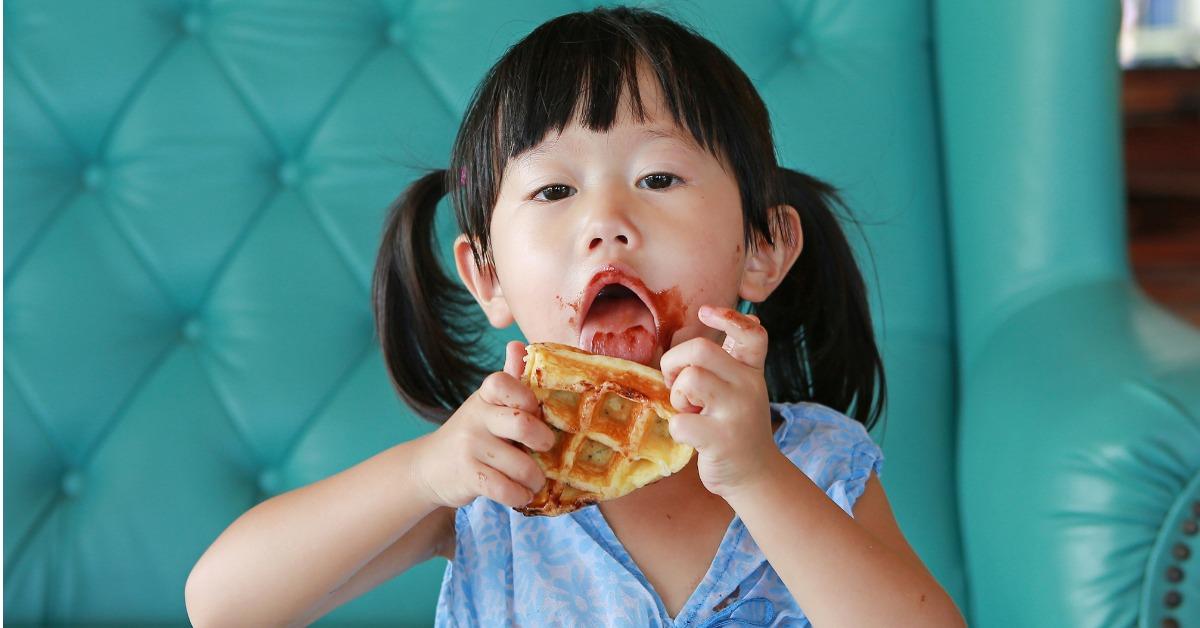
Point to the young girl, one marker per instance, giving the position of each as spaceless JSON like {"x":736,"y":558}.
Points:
{"x":616,"y":186}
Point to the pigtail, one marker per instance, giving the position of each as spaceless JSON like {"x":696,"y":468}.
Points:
{"x":821,"y":342}
{"x":426,"y":321}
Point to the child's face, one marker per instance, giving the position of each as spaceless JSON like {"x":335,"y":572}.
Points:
{"x":581,"y":210}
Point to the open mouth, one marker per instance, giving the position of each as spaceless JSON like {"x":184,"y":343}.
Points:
{"x":618,"y":318}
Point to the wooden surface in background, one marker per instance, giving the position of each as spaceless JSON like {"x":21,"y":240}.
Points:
{"x":1161,"y":109}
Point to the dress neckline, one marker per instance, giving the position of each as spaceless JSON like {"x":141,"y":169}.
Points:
{"x":718,"y":572}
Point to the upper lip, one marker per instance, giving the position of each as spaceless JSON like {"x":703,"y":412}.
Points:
{"x":615,"y":273}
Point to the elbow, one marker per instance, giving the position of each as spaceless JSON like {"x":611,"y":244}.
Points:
{"x":951,"y":616}
{"x":936,"y":608}
{"x":200,"y":604}
{"x":959,"y":620}
{"x":192,"y":602}
{"x":209,"y":602}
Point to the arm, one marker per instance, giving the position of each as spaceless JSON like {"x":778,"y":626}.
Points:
{"x":842,"y":571}
{"x":435,"y":531}
{"x":295,"y":556}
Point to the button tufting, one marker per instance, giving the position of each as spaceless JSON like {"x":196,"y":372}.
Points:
{"x":269,"y":481}
{"x":1181,"y":551}
{"x":1174,"y":574}
{"x":800,"y":46}
{"x":1172,"y":599}
{"x":194,"y":21}
{"x":396,"y":33}
{"x":94,"y":176}
{"x":289,"y":173}
{"x":1190,"y":527}
{"x":72,"y":483}
{"x":192,"y":328}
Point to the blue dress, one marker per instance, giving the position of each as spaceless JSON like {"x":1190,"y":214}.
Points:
{"x":571,"y":570}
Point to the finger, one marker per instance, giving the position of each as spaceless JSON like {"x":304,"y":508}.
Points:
{"x":745,"y":338}
{"x":692,"y":429}
{"x":696,"y":352}
{"x":514,"y":354}
{"x":520,"y":426}
{"x":498,"y":487}
{"x":502,"y":389}
{"x":695,"y":389}
{"x":513,"y":463}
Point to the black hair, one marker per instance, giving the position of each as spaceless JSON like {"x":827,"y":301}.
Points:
{"x":821,"y":342}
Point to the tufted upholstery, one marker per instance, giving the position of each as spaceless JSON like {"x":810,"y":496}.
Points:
{"x":195,"y":193}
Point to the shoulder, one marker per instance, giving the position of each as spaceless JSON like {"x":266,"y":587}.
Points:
{"x":834,"y":450}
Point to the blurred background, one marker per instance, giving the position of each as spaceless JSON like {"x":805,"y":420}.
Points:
{"x":1160,"y":104}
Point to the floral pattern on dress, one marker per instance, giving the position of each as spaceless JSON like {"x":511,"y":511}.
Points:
{"x":571,"y":570}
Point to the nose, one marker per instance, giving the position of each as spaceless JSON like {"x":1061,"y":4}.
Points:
{"x":597,"y":241}
{"x":609,"y":225}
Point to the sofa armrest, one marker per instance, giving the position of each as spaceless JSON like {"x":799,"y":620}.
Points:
{"x":1079,"y":441}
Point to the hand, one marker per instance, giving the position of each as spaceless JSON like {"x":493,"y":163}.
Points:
{"x":474,"y":452}
{"x":721,"y":395}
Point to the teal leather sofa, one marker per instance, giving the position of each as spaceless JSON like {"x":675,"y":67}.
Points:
{"x":195,"y":191}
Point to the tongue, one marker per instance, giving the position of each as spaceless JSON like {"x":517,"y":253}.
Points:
{"x":620,"y":328}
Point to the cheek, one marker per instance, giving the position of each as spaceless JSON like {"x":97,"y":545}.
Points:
{"x":712,"y":249}
{"x":529,"y":263}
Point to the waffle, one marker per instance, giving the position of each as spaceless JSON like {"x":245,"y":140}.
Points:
{"x":609,"y":418}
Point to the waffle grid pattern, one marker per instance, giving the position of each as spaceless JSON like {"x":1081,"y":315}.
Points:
{"x":610,"y":437}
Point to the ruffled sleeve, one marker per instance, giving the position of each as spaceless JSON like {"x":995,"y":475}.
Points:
{"x":832,"y":449}
{"x":865,"y":457}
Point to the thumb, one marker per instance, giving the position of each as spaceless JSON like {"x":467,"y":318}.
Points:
{"x":514,"y":351}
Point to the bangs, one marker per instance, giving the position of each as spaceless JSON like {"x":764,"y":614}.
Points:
{"x":577,"y":67}
{"x":572,"y":74}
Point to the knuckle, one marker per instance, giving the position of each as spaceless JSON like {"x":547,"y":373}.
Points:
{"x":494,"y":383}
{"x":465,"y":439}
{"x":480,"y":481}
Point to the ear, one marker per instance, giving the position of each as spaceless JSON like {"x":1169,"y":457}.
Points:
{"x":482,"y":283}
{"x":767,"y":265}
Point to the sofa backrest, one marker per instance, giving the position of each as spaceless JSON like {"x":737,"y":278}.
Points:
{"x":193,"y":204}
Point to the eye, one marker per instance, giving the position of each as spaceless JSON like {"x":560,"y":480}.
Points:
{"x":557,"y":187}
{"x":558,"y":191}
{"x":663,"y":178}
